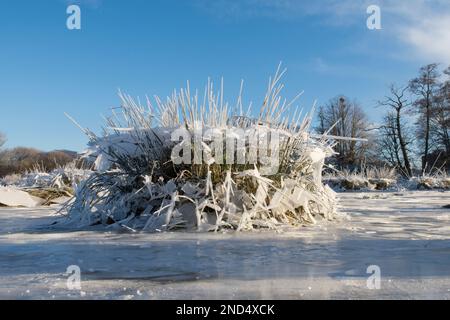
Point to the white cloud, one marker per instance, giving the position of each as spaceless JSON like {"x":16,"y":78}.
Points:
{"x":430,"y":37}
{"x":422,"y":27}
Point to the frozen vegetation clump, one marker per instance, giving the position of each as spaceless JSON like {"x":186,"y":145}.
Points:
{"x":37,"y":187}
{"x":366,"y":179}
{"x":197,"y":163}
{"x":385,"y":178}
{"x":437,"y":180}
{"x":67,"y":176}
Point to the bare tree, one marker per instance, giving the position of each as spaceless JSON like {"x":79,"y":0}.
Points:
{"x":440,"y":120}
{"x":321,"y":126}
{"x":394,"y":130}
{"x":425,"y":88}
{"x":345,"y":118}
{"x":388,"y":146}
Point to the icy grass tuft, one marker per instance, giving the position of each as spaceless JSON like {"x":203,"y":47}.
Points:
{"x":138,"y":186}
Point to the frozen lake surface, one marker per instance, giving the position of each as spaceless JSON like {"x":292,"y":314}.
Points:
{"x":406,"y":234}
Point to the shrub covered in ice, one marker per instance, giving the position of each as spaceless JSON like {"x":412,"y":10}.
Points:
{"x":195,"y":162}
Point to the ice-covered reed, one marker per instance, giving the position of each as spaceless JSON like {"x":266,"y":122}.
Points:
{"x":140,"y":182}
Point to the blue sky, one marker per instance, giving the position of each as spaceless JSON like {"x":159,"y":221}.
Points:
{"x":151,"y":47}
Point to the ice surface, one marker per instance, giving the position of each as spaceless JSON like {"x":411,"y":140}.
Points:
{"x":406,"y":234}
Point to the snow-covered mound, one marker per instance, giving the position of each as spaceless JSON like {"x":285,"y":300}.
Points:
{"x":170,"y":167}
{"x":12,"y":197}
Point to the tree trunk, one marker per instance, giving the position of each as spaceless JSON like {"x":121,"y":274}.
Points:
{"x":427,"y":138}
{"x":403,"y":145}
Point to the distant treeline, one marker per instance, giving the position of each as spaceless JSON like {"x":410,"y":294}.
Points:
{"x":19,"y":160}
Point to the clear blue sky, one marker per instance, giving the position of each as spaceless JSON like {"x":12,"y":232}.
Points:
{"x":151,"y":46}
